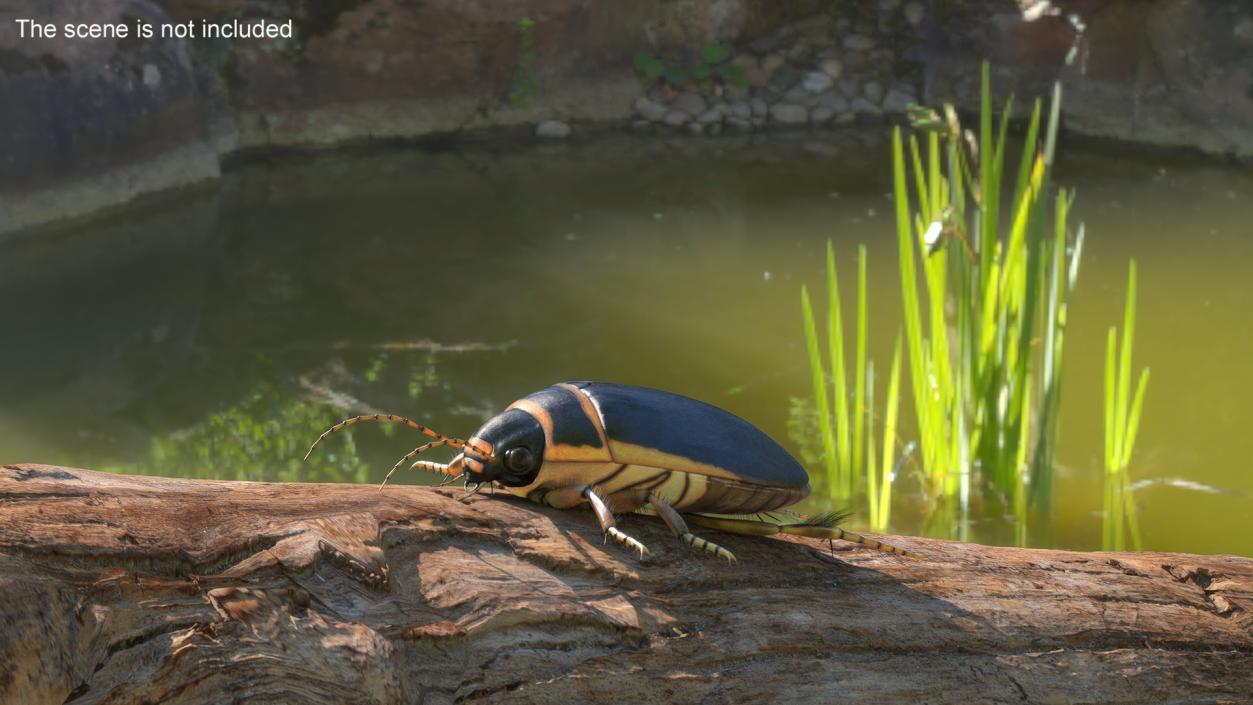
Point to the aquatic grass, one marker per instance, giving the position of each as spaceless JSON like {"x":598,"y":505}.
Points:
{"x":881,"y":475}
{"x":986,"y":280}
{"x":985,"y":331}
{"x":1122,"y":422}
{"x":845,"y":423}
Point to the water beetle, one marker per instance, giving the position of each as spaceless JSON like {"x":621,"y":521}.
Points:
{"x":620,"y":448}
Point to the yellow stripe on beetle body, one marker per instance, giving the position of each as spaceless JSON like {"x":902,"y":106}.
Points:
{"x":651,"y":457}
{"x":627,"y":486}
{"x":589,"y":410}
{"x":560,"y":452}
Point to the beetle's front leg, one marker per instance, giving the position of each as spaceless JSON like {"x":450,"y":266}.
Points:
{"x":607,"y":522}
{"x":574,"y":495}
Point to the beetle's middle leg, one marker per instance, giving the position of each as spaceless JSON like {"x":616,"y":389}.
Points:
{"x":679,"y":527}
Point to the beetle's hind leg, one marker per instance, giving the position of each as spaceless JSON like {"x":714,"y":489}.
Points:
{"x":607,"y":522}
{"x":820,"y":527}
{"x":679,"y":527}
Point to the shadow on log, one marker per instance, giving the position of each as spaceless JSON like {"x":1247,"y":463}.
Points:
{"x":117,"y":589}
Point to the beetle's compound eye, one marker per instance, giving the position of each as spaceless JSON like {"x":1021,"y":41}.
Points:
{"x":520,"y":459}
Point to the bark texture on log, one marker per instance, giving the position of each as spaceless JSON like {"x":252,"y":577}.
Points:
{"x":117,"y":589}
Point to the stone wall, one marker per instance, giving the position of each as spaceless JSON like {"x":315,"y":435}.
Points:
{"x":87,"y":124}
{"x":821,"y":71}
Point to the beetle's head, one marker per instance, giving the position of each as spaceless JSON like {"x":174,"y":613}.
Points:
{"x":515,"y":442}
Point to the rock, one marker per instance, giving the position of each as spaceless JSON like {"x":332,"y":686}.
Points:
{"x":799,"y":96}
{"x":898,"y":101}
{"x":695,"y":128}
{"x":676,"y":118}
{"x":789,"y":114}
{"x":741,"y":110}
{"x":152,"y":76}
{"x":650,"y":109}
{"x":785,"y":77}
{"x":1244,"y":30}
{"x":862,"y":106}
{"x":661,"y":93}
{"x":850,"y":87}
{"x":816,"y":82}
{"x":767,"y":94}
{"x":834,"y":101}
{"x":766,"y":43}
{"x":914,"y":12}
{"x":710,"y":116}
{"x":690,"y":102}
{"x":744,"y":62}
{"x":738,"y":123}
{"x":873,"y":90}
{"x":888,"y":6}
{"x":735,"y":93}
{"x":858,"y":42}
{"x":832,"y":67}
{"x":846,"y":118}
{"x":773,"y":63}
{"x":757,"y":77}
{"x":799,"y":52}
{"x":759,"y":107}
{"x":87,"y":124}
{"x":821,"y":115}
{"x":552,"y":129}
{"x":187,"y":590}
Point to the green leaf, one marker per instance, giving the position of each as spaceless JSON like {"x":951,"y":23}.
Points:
{"x":676,"y":76}
{"x":835,"y":348}
{"x":648,"y":66}
{"x":702,"y":72}
{"x":654,"y":70}
{"x":715,"y":53}
{"x":859,"y":366}
{"x":820,"y":385}
{"x":733,"y":75}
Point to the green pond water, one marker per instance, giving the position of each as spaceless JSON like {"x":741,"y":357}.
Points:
{"x":216,"y":333}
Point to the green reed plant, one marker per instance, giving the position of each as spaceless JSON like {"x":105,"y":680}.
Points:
{"x":1122,"y":422}
{"x":844,"y":423}
{"x":881,"y":475}
{"x":985,"y":331}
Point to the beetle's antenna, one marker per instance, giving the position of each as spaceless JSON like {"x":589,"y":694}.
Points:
{"x":431,"y":467}
{"x":447,"y":440}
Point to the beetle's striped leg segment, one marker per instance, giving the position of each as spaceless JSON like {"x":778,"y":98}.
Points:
{"x":679,"y":527}
{"x":835,"y":532}
{"x":601,"y":507}
{"x":820,"y":527}
{"x":735,"y":526}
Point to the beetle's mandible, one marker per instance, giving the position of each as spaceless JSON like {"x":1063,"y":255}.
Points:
{"x":619,"y":448}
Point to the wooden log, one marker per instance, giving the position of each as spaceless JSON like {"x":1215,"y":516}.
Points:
{"x":118,"y":589}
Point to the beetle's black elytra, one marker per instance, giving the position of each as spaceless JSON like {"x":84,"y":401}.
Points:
{"x":618,"y":448}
